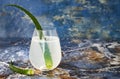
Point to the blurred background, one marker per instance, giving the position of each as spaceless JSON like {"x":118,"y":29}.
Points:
{"x":78,"y":18}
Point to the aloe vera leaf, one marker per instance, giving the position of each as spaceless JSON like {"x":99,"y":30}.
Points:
{"x":21,"y":70}
{"x":47,"y":57}
{"x":35,"y":21}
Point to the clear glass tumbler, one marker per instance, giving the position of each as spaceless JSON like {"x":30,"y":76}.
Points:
{"x":45,"y":52}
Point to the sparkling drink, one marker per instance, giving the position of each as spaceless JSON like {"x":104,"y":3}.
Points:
{"x":45,"y":54}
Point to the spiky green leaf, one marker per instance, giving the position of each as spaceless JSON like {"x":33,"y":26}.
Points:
{"x":35,"y":21}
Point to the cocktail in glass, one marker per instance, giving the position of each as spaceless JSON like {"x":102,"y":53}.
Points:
{"x":45,"y":53}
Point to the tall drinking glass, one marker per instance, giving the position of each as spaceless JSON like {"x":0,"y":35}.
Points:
{"x":45,"y":53}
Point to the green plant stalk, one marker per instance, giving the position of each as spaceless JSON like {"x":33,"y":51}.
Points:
{"x":47,"y":54}
{"x":47,"y":57}
{"x":21,"y":70}
{"x":35,"y":21}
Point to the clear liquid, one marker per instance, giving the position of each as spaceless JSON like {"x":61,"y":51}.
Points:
{"x":45,"y":54}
